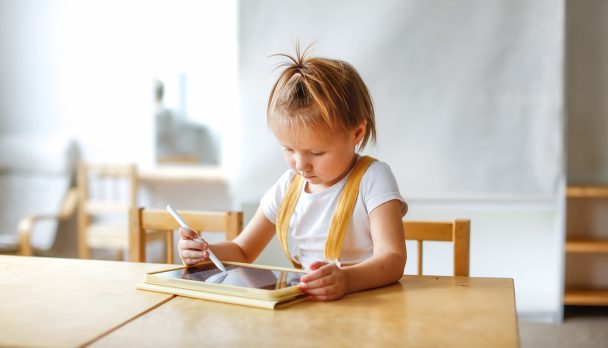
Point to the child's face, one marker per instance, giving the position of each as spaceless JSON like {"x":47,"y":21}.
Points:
{"x":321,"y":157}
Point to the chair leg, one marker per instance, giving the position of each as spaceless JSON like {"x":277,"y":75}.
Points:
{"x":461,"y":235}
{"x":419,"y":257}
{"x":84,"y":252}
{"x":137,"y":236}
{"x":169,"y":243}
{"x":24,"y":247}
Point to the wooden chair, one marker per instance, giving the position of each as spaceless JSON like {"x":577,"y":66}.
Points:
{"x":27,"y":224}
{"x":457,"y":231}
{"x":142,"y":220}
{"x":37,"y":200}
{"x":106,"y":193}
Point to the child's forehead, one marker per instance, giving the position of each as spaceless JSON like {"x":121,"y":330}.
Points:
{"x":305,"y":137}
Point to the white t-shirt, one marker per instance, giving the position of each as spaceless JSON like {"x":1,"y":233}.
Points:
{"x":313,"y":214}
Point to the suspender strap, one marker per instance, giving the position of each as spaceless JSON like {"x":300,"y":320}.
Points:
{"x":288,"y":204}
{"x":341,"y":217}
{"x":344,"y":210}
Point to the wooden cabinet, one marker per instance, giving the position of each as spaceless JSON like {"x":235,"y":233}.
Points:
{"x":586,"y":274}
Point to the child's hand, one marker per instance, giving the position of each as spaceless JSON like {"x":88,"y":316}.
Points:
{"x":326,"y":282}
{"x":191,"y":250}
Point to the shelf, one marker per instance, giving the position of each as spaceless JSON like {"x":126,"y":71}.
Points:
{"x":589,"y":297}
{"x":586,"y":212}
{"x":586,"y":246}
{"x":587,"y":191}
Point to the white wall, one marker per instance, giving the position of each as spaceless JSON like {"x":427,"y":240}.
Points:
{"x":477,"y":93}
{"x":89,"y":67}
{"x":469,"y":101}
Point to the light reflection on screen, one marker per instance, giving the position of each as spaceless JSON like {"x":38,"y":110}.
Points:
{"x":237,"y":276}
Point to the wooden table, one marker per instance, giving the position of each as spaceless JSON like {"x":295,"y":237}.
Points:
{"x":183,"y":173}
{"x":52,"y":302}
{"x":418,"y":311}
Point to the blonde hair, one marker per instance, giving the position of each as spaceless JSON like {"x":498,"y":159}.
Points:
{"x":320,"y":93}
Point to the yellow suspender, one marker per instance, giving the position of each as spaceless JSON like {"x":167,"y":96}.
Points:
{"x":288,"y":204}
{"x":342,"y":215}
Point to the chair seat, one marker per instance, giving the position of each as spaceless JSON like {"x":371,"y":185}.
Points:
{"x":108,"y":236}
{"x":114,"y":236}
{"x":8,"y":243}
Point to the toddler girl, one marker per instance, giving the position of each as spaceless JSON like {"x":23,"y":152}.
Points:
{"x":335,"y":212}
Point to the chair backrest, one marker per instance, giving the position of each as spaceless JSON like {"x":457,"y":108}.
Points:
{"x":36,"y":173}
{"x":142,"y":220}
{"x":106,"y":192}
{"x":457,"y":231}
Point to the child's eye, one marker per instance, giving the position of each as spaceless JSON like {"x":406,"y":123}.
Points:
{"x":287,"y":149}
{"x":316,"y":154}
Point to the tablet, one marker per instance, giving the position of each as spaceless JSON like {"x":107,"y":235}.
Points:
{"x":240,"y":279}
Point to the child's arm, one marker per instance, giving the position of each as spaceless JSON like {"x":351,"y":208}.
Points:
{"x":244,"y":248}
{"x":328,"y":282}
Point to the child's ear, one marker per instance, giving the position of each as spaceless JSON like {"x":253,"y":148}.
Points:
{"x":360,"y":132}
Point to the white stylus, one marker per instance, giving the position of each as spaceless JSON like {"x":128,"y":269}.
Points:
{"x":183,"y":223}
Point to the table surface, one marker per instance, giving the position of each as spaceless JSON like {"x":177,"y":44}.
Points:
{"x":53,"y":302}
{"x":418,"y":311}
{"x":60,"y":302}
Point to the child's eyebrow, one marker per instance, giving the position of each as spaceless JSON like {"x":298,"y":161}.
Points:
{"x":319,"y":149}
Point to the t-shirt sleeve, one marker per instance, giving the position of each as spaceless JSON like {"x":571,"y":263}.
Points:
{"x":379,"y":186}
{"x":271,"y":200}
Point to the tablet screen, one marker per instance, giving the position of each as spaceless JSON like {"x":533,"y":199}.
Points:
{"x":241,"y":276}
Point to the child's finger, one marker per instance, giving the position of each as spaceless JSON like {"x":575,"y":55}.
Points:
{"x":317,"y":264}
{"x":324,"y":293}
{"x":327,"y":291}
{"x":194,"y":254}
{"x":192,"y":261}
{"x":317,"y":283}
{"x":187,"y":233}
{"x":184,"y":244}
{"x":196,"y":245}
{"x":321,"y":271}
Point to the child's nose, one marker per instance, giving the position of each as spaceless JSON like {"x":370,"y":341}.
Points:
{"x":302,"y":165}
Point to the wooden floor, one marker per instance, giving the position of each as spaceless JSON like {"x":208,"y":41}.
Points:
{"x":582,"y":327}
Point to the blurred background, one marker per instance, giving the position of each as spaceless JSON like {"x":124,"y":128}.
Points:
{"x":486,"y":110}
